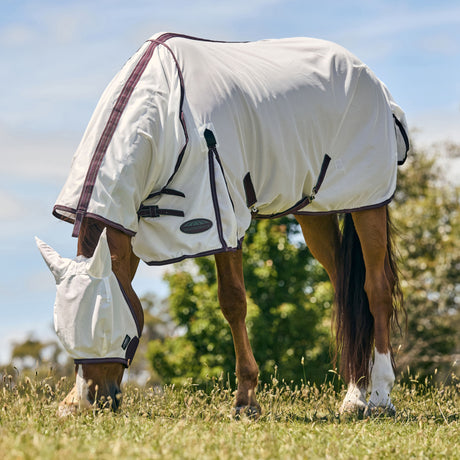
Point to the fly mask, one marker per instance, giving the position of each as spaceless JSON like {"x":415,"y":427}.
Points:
{"x":93,"y":317}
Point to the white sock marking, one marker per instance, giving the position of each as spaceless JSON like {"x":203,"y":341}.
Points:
{"x":382,"y":379}
{"x":355,"y":399}
{"x":82,"y":386}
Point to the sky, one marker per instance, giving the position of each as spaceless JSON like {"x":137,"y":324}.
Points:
{"x":57,"y":57}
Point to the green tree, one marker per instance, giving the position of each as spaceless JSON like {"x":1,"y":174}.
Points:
{"x":158,"y":325}
{"x":289,"y":299}
{"x":33,"y":355}
{"x":29,"y":352}
{"x":426,"y":214}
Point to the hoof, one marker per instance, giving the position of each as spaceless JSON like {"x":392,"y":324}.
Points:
{"x":354,"y":403}
{"x":353,"y":407}
{"x":352,"y":410}
{"x":250,"y":412}
{"x":380,"y":411}
{"x":72,"y":404}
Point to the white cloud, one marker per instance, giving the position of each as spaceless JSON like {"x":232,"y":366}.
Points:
{"x":11,"y":208}
{"x":437,"y":125}
{"x":388,"y":31}
{"x":41,"y":157}
{"x":394,"y":21}
{"x":440,"y":44}
{"x":16,"y":35}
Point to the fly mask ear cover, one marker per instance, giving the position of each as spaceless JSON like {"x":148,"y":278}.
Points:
{"x":92,"y":315}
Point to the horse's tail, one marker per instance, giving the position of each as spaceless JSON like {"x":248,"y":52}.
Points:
{"x":354,"y":323}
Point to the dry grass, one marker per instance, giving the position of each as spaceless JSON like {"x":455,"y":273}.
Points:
{"x":193,"y":423}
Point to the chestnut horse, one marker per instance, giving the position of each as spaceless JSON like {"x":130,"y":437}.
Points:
{"x":197,"y":137}
{"x":361,"y":266}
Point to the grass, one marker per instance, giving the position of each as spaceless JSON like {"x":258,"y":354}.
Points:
{"x":189,"y":423}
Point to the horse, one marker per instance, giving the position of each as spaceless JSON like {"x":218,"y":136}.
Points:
{"x":189,"y":142}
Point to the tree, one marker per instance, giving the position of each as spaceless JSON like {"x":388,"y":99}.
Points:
{"x":427,"y":216}
{"x":158,"y":325}
{"x":33,"y":354}
{"x":29,"y":352}
{"x":289,"y":299}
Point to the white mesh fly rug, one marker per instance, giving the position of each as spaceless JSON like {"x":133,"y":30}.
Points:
{"x":192,"y":138}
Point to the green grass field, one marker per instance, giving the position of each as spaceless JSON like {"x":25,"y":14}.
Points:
{"x":186,"y":422}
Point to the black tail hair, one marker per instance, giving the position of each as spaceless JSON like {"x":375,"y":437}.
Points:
{"x":353,"y":321}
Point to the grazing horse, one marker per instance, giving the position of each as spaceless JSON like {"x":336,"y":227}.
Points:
{"x":193,"y":139}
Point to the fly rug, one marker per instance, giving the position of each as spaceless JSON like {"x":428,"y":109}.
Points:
{"x":191,"y":140}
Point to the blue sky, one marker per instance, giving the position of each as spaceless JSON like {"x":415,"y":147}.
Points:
{"x":57,"y":57}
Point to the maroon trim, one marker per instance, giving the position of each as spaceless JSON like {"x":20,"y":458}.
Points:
{"x":345,"y":211}
{"x":292,"y":210}
{"x":123,"y":361}
{"x":61,"y":216}
{"x":322,"y":173}
{"x":160,"y":41}
{"x":405,"y":137}
{"x":200,"y":254}
{"x":105,"y":221}
{"x":249,"y":190}
{"x":216,"y":154}
{"x":107,"y":135}
{"x":111,"y":223}
{"x":131,"y":308}
{"x":215,"y":199}
{"x":168,"y":35}
{"x":114,"y":119}
{"x":304,"y":201}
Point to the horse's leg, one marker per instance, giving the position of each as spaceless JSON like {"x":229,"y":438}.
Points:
{"x":371,"y":227}
{"x":232,"y":299}
{"x":322,"y":236}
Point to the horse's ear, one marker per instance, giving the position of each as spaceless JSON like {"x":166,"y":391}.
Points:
{"x":100,"y":265}
{"x":57,"y":264}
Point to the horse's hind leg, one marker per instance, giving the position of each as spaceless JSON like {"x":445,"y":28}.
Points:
{"x":232,"y":299}
{"x":322,"y":236}
{"x":371,"y":227}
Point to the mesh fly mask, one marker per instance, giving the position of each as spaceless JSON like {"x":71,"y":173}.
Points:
{"x":92,"y":315}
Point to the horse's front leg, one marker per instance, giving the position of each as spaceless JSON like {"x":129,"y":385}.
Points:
{"x":232,"y":299}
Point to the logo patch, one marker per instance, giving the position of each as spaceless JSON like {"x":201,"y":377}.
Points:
{"x":125,"y":343}
{"x":196,"y":226}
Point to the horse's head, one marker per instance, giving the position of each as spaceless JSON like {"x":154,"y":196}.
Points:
{"x":94,"y":320}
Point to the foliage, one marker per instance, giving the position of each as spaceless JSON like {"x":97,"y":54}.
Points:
{"x":427,"y":216}
{"x":34,"y":356}
{"x":289,"y":297}
{"x":285,"y":325}
{"x":158,"y":325}
{"x":188,"y":422}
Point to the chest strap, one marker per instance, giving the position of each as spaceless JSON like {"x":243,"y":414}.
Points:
{"x":155,"y":211}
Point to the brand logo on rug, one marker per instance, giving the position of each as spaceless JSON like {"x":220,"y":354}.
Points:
{"x":196,"y":226}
